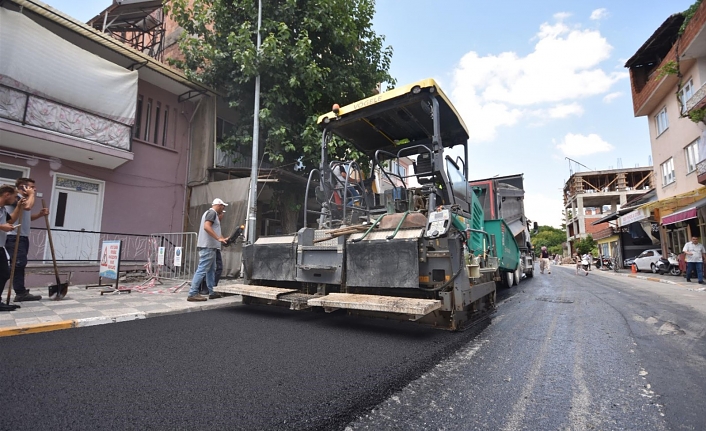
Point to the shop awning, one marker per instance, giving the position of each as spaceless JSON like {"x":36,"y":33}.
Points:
{"x":678,"y":216}
{"x":687,"y":213}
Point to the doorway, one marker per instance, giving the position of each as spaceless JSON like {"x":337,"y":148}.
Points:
{"x":75,"y":212}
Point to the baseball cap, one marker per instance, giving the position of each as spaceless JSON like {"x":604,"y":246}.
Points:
{"x":218,"y":201}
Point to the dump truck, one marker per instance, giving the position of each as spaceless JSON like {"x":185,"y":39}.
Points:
{"x":504,"y":198}
{"x":409,"y":244}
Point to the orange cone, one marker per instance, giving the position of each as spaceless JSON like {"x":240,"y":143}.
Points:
{"x":634,"y":269}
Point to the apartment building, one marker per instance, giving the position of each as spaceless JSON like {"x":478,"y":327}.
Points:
{"x":105,"y":130}
{"x":668,"y":77}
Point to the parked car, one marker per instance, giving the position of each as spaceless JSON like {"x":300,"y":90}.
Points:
{"x":647,"y":260}
{"x":627,"y":263}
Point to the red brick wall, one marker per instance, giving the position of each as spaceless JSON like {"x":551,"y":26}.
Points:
{"x":591,"y":229}
{"x":692,"y":29}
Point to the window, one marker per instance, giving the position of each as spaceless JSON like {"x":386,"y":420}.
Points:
{"x":10,"y":173}
{"x":138,"y":117}
{"x":668,"y":172}
{"x":166,"y":122}
{"x":692,"y":155}
{"x":661,"y":121}
{"x":156,"y":122}
{"x":224,"y":129}
{"x":687,"y":90}
{"x":148,"y":119}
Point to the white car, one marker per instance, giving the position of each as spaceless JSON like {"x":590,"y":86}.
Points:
{"x":647,"y":260}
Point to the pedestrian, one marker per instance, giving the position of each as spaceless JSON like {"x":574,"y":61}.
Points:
{"x":208,"y":242}
{"x":544,"y":261}
{"x":26,"y":191}
{"x":219,"y":265}
{"x":579,"y":265}
{"x":7,"y":197}
{"x":694,"y":252}
{"x":588,"y":257}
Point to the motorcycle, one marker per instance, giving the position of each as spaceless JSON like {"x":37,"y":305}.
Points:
{"x":607,"y":263}
{"x":670,"y":265}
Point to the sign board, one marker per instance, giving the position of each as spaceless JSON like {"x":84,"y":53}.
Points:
{"x":177,"y":256}
{"x":110,"y":259}
{"x":633,"y":216}
{"x":160,"y":256}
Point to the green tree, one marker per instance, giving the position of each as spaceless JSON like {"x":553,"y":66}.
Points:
{"x":585,"y":245}
{"x":314,"y":53}
{"x":550,"y":237}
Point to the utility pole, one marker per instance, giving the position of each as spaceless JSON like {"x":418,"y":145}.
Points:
{"x":252,"y":199}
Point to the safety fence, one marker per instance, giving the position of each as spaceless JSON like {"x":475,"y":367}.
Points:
{"x":74,"y":247}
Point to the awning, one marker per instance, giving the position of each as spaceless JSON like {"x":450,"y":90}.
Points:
{"x":685,"y":214}
{"x":676,"y":217}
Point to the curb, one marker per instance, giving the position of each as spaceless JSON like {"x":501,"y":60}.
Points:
{"x":103,"y":320}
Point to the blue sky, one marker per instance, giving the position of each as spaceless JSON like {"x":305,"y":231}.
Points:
{"x":535,"y":81}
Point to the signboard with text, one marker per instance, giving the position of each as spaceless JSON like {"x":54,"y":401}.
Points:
{"x":631,"y":217}
{"x":160,"y":256}
{"x":110,"y":259}
{"x":177,"y":256}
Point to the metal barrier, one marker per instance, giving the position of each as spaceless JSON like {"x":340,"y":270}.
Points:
{"x":84,"y":248}
{"x":180,"y":256}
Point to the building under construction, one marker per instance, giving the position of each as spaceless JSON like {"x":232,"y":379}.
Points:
{"x":590,"y":196}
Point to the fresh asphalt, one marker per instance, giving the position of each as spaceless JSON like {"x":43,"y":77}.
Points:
{"x":250,"y":368}
{"x":562,"y":352}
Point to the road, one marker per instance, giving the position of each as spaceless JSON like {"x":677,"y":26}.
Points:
{"x":562,"y":352}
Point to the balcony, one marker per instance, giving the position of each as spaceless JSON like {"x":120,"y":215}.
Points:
{"x":39,"y":125}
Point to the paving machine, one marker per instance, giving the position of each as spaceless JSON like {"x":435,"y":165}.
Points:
{"x":409,"y":242}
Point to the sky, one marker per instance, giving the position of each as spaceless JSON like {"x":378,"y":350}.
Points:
{"x":535,"y":81}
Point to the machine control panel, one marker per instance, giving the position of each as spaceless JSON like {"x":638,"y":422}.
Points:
{"x":438,"y":223}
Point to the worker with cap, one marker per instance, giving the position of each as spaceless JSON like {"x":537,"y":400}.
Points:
{"x":208,"y":244}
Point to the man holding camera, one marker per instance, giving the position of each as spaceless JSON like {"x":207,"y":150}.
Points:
{"x":25,"y":199}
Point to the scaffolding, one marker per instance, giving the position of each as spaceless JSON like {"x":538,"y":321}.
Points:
{"x":136,"y":23}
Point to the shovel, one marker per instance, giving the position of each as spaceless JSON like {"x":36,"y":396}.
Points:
{"x":14,"y":263}
{"x":59,"y":290}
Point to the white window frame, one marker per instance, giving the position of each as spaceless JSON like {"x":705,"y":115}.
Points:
{"x":691,"y":152}
{"x":685,"y":93}
{"x":661,"y":121}
{"x":667,"y":168}
{"x":9,"y":181}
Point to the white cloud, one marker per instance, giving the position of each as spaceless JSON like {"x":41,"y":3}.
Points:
{"x":608,"y":98}
{"x":599,"y":14}
{"x":582,"y":145}
{"x":564,"y":110}
{"x":498,"y":90}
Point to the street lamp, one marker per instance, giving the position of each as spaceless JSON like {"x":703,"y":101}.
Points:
{"x":252,"y":199}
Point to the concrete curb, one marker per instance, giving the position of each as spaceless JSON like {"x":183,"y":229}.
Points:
{"x":103,"y":320}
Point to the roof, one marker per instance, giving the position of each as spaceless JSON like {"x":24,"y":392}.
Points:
{"x":401,"y":116}
{"x":107,"y":41}
{"x":659,"y":44}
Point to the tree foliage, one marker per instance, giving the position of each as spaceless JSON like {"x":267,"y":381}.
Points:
{"x":550,"y":237}
{"x":585,"y":245}
{"x":314,"y":53}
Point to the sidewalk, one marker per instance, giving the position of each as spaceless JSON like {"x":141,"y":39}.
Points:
{"x":659,"y":278}
{"x":87,"y":307}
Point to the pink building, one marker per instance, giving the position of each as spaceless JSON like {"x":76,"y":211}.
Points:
{"x":104,"y":129}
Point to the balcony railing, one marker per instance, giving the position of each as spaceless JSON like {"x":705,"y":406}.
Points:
{"x":696,"y":98}
{"x":28,"y":109}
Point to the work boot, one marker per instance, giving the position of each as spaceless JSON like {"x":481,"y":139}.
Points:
{"x":196,"y":298}
{"x":215,"y":295}
{"x":26,"y":296}
{"x":5,"y":307}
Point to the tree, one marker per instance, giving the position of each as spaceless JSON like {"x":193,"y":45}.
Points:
{"x":585,"y":245}
{"x":314,"y":53}
{"x":550,"y":237}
